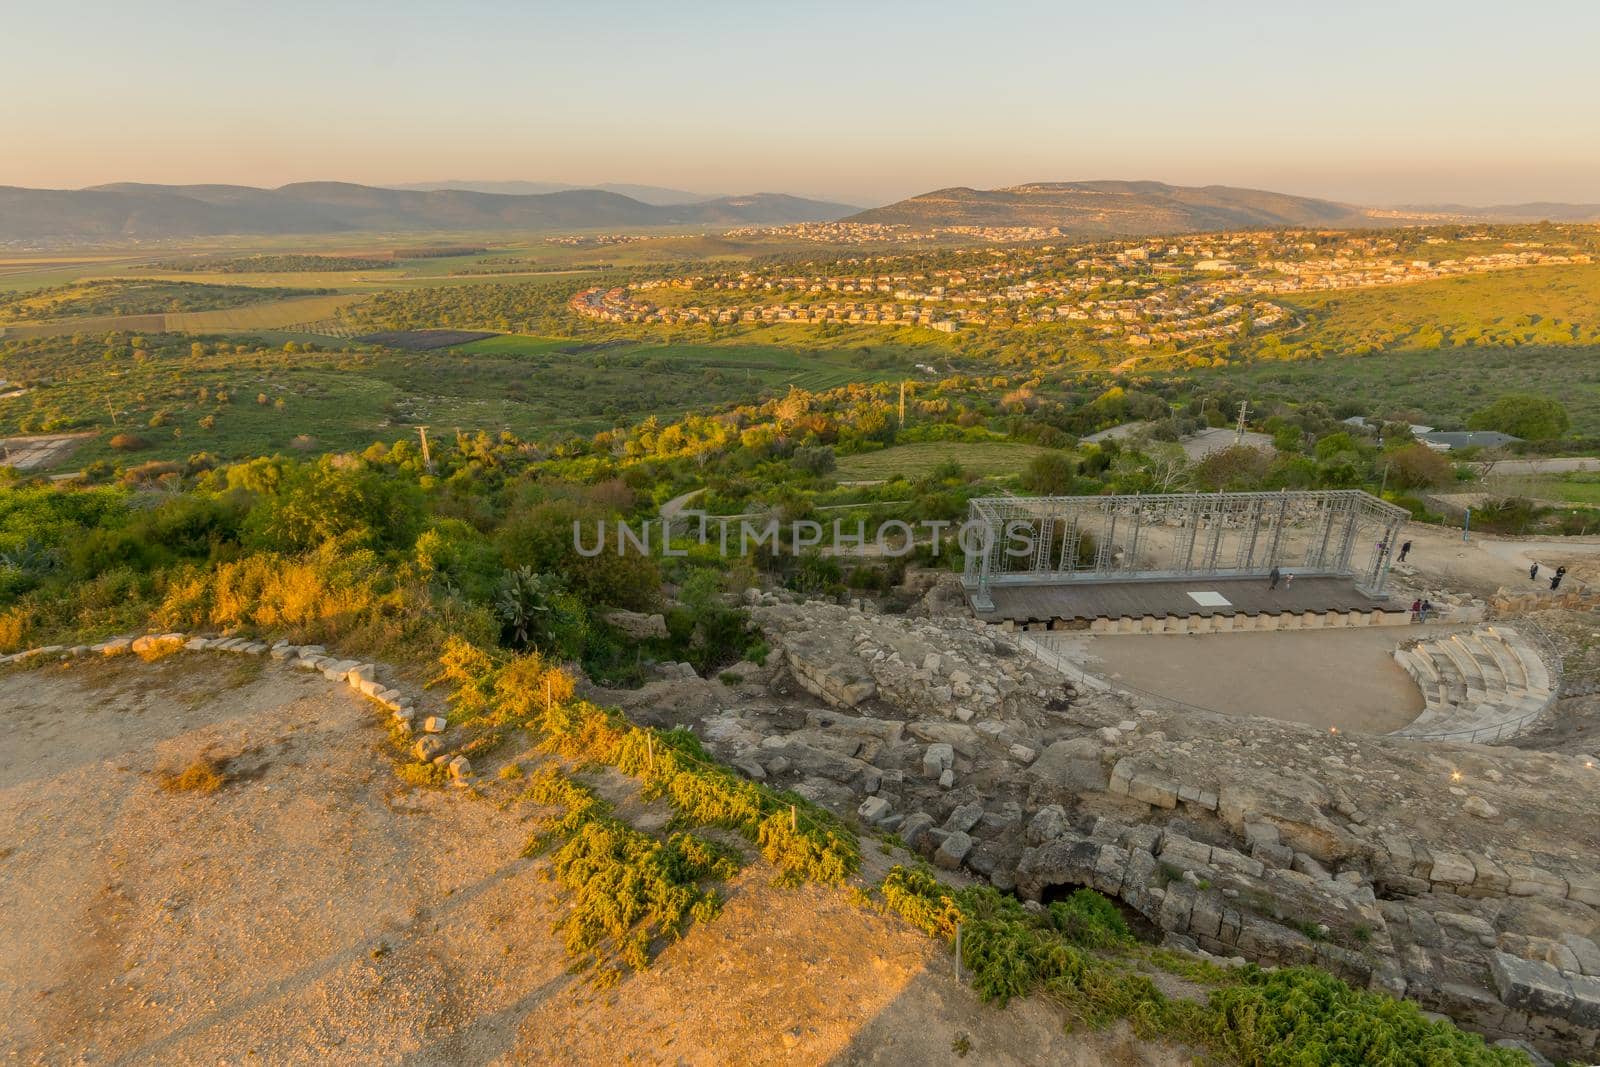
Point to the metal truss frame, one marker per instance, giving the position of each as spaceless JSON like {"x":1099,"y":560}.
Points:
{"x":1057,"y":540}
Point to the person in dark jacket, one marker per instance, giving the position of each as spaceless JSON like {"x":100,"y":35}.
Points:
{"x":1533,"y":572}
{"x":1272,"y":582}
{"x":1405,"y":549}
{"x":1555,"y":581}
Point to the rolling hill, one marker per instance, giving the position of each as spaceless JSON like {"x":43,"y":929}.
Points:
{"x":1115,"y":208}
{"x":133,"y":210}
{"x":646,"y":194}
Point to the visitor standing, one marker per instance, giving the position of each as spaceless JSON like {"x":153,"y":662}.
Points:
{"x":1273,"y":578}
{"x":1555,"y":580}
{"x":1533,"y":572}
{"x":1405,"y":550}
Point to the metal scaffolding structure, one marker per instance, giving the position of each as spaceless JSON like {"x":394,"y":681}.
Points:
{"x":1059,"y":540}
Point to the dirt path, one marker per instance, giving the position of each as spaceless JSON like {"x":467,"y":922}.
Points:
{"x":1485,"y":562}
{"x":313,"y":910}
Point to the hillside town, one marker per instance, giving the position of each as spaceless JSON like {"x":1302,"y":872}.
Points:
{"x":1144,"y":293}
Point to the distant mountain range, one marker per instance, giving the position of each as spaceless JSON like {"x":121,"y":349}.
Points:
{"x":1115,"y":208}
{"x":645,"y":194}
{"x":1082,"y":209}
{"x":1127,"y":209}
{"x":132,"y":210}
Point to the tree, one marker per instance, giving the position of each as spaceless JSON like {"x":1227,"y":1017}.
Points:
{"x":1050,"y":474}
{"x":1416,"y":466}
{"x":1532,"y":418}
{"x":1235,"y":467}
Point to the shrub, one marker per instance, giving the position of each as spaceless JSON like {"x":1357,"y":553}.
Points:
{"x":128,"y":442}
{"x":1050,"y":474}
{"x":1301,"y":1015}
{"x":626,"y":888}
{"x":802,"y":840}
{"x":203,"y":775}
{"x":1416,"y":466}
{"x":917,"y":896}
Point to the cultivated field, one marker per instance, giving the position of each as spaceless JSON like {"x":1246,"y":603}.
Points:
{"x":982,"y":458}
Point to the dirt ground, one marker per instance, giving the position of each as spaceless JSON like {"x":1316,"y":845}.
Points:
{"x":314,"y":910}
{"x":1327,"y":678}
{"x":1486,"y":562}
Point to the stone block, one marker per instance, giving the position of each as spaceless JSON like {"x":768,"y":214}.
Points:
{"x":952,"y":851}
{"x":914,"y":827}
{"x":1490,"y":876}
{"x":1530,"y":985}
{"x":1526,"y":881}
{"x":1176,"y":907}
{"x":1180,"y":851}
{"x":1154,"y":791}
{"x":964,"y":818}
{"x":435,"y":724}
{"x":460,"y":768}
{"x":937,"y":759}
{"x":873,"y":810}
{"x":427,"y":748}
{"x":1453,"y":869}
{"x":1585,"y":889}
{"x":1585,"y":952}
{"x":1073,"y":765}
{"x":1466,"y":926}
{"x":1585,"y":1007}
{"x":1048,"y":822}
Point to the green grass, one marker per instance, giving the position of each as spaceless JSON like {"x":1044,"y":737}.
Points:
{"x":1578,"y":487}
{"x":1440,"y":349}
{"x":1442,"y":385}
{"x":983,"y":458}
{"x":533,"y":387}
{"x":514,"y":344}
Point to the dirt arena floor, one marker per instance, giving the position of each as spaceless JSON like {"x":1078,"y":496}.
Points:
{"x":1327,"y":678}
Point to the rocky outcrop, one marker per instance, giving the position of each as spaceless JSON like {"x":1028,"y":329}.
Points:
{"x":1401,"y":864}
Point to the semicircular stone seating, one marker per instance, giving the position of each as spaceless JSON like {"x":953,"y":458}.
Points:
{"x":1486,"y":684}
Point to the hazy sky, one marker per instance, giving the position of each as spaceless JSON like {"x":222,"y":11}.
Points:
{"x":865,"y":101}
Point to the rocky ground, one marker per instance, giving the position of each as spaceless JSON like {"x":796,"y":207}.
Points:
{"x":1462,"y":876}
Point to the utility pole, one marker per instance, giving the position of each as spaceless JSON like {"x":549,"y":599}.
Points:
{"x":1244,"y":409}
{"x":427,"y":459}
{"x":902,"y":403}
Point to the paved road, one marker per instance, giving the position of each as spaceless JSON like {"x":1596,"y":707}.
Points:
{"x":1550,"y":465}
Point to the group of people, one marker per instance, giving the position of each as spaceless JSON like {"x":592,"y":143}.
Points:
{"x":1421,"y":609}
{"x":1555,"y":579}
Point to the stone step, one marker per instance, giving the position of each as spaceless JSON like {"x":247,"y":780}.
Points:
{"x":1483,"y":685}
{"x":1490,"y":669}
{"x":1510,"y":663}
